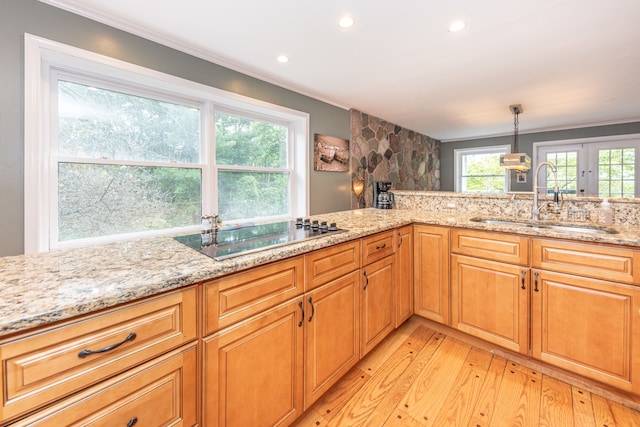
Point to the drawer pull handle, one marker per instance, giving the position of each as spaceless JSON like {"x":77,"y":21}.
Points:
{"x":367,"y":281}
{"x":400,"y":236}
{"x":133,"y":421}
{"x":85,"y":353}
{"x":382,"y":246}
{"x":536,"y":282}
{"x":302,"y":310}
{"x":313,"y":309}
{"x":524,"y":273}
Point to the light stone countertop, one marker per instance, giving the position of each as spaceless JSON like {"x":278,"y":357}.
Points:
{"x":43,"y":288}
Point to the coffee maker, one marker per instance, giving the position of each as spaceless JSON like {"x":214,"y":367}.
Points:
{"x":382,"y":197}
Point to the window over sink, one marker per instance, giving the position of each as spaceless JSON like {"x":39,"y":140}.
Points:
{"x":115,"y":151}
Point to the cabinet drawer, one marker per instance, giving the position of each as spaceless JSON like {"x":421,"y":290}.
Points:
{"x":242,"y":295}
{"x":44,"y":367}
{"x":490,"y":245}
{"x":377,"y":247}
{"x":161,"y":392}
{"x":599,"y":262}
{"x":328,"y":264}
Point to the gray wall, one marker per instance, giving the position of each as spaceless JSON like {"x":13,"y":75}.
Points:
{"x":525,"y":144}
{"x":330,"y":191}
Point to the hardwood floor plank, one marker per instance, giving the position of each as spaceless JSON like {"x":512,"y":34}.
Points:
{"x":367,"y":398}
{"x":518,"y":401}
{"x":377,"y":357}
{"x":556,"y":404}
{"x":311,"y":418}
{"x":389,"y":403}
{"x":610,"y":414}
{"x":338,"y":395}
{"x":582,"y":408}
{"x":485,"y":406}
{"x":421,"y":377}
{"x":399,"y":418}
{"x":426,"y":396}
{"x":458,"y":407}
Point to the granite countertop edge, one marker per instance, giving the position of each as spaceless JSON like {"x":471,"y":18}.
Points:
{"x":44,"y":288}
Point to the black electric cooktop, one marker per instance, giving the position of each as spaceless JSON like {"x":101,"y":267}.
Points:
{"x":241,"y":241}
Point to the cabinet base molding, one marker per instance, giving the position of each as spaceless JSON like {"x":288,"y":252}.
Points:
{"x":611,"y":393}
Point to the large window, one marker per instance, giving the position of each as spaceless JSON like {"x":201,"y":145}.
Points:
{"x":602,"y":167}
{"x":478,"y":170}
{"x":115,"y":151}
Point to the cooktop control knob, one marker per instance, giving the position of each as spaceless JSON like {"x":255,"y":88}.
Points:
{"x":333,"y":227}
{"x":323,"y":227}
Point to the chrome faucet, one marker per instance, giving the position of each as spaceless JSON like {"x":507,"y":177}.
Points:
{"x":535,"y":211}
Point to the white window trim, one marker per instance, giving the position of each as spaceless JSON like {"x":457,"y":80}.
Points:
{"x":589,"y":162}
{"x":42,"y":54}
{"x":459,"y":152}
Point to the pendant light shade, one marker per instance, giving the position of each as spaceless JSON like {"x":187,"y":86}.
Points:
{"x":515,"y":161}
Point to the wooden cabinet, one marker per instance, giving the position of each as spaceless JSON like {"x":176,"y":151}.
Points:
{"x":332,"y":335}
{"x":490,"y":300}
{"x":617,"y":264}
{"x":161,"y":392}
{"x":241,"y":295}
{"x":39,"y":368}
{"x":378,"y":246}
{"x":331,"y":263}
{"x":431,"y":272}
{"x":404,"y":289}
{"x":377,"y":302}
{"x":587,"y":326}
{"x":489,"y":287}
{"x":253,"y":371}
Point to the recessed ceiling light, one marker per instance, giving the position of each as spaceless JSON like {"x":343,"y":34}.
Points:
{"x":346,"y":22}
{"x":282,"y":58}
{"x":457,"y":26}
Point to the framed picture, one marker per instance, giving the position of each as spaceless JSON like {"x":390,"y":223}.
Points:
{"x":521,"y":177}
{"x":330,"y":153}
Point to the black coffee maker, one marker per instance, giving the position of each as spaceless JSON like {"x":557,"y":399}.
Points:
{"x":382,"y":197}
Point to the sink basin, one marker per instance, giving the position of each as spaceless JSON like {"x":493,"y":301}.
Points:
{"x":573,"y":228}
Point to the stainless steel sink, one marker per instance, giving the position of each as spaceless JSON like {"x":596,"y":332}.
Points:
{"x":573,"y":228}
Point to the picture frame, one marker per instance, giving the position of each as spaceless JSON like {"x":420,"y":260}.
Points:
{"x":330,"y":153}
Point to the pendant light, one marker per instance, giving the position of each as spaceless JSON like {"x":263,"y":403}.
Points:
{"x":516,"y":161}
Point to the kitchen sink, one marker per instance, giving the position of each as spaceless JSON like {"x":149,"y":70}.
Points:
{"x":573,"y":228}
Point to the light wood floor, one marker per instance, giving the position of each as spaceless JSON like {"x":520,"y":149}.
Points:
{"x":419,"y":377}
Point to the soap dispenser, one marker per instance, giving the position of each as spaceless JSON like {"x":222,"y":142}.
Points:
{"x":605,"y":213}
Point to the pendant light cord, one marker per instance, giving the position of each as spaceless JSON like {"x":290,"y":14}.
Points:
{"x":515,"y":130}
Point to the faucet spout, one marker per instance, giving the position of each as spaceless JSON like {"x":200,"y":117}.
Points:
{"x":535,"y":210}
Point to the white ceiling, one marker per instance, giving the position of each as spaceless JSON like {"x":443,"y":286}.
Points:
{"x":570,"y":63}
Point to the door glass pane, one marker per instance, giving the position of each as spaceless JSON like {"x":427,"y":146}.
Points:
{"x":566,"y":163}
{"x":244,"y":194}
{"x":102,"y":200}
{"x":616,"y":172}
{"x":99,"y":123}
{"x":249,"y":142}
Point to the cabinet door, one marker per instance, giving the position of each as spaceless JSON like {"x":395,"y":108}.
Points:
{"x":377,"y":302}
{"x":253,"y":371}
{"x":431,"y":272}
{"x":490,"y":300}
{"x":161,"y":392}
{"x":404,"y":258}
{"x":587,"y":326}
{"x":332,"y":335}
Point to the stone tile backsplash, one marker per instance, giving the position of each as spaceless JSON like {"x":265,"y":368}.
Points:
{"x":585,"y":209}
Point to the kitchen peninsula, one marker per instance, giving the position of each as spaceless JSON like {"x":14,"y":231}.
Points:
{"x":47,"y":293}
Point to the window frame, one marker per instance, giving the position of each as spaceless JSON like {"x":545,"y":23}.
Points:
{"x":459,"y":153}
{"x":44,"y":59}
